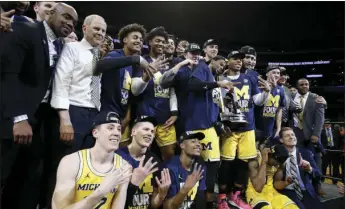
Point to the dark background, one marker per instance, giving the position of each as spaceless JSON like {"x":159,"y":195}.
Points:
{"x":274,"y":26}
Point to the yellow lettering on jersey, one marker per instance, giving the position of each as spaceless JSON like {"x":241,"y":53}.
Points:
{"x":159,"y":91}
{"x":127,"y":81}
{"x":243,"y":92}
{"x":271,"y":106}
{"x":192,"y":192}
{"x":273,"y":101}
{"x":146,"y":185}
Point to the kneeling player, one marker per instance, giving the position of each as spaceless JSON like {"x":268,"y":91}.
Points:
{"x":260,"y":191}
{"x":188,"y":184}
{"x":96,"y":177}
{"x":145,"y":190}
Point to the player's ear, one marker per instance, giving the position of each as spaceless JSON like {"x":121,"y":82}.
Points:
{"x":133,"y":132}
{"x":95,"y":132}
{"x":182,"y":146}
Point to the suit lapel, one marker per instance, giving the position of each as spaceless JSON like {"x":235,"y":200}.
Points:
{"x":44,"y":42}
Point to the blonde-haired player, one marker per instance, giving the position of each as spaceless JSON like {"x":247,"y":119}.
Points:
{"x":97,"y":177}
{"x":260,"y":191}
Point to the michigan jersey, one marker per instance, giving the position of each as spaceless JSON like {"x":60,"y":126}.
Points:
{"x":143,"y":195}
{"x":276,"y":99}
{"x":116,"y":87}
{"x":192,"y":104}
{"x":88,"y":179}
{"x":269,"y":195}
{"x":178,"y":176}
{"x":154,"y":101}
{"x":244,"y":92}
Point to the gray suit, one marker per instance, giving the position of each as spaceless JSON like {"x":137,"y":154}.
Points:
{"x":313,"y":116}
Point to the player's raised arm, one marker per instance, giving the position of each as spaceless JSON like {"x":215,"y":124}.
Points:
{"x":119,"y":200}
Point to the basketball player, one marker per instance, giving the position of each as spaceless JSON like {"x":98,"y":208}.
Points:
{"x":187,"y":174}
{"x":195,"y":85}
{"x":149,"y":191}
{"x":249,"y":62}
{"x":210,"y":50}
{"x":241,"y":142}
{"x":272,"y":110}
{"x":158,"y":102}
{"x":116,"y":84}
{"x":260,"y":191}
{"x":96,"y":177}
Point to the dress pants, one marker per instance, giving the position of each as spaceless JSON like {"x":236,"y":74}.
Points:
{"x":22,"y":168}
{"x":82,"y":119}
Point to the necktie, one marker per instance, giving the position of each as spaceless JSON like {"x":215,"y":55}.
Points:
{"x":329,"y":138}
{"x":293,"y":171}
{"x":300,"y":115}
{"x":57,"y":45}
{"x":95,"y":81}
{"x":284,"y":114}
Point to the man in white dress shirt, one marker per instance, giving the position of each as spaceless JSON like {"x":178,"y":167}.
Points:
{"x":76,"y":91}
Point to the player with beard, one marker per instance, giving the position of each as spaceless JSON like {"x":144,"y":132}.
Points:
{"x":241,"y":142}
{"x":260,"y":191}
{"x":210,"y":50}
{"x":145,"y":190}
{"x":169,"y":47}
{"x":272,"y":110}
{"x":116,"y":84}
{"x":156,"y":101}
{"x":187,"y":174}
{"x":194,"y":85}
{"x":249,"y":61}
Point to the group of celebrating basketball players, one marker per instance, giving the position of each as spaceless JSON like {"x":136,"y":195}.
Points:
{"x":113,"y":104}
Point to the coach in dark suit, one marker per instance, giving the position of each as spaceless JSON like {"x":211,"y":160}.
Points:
{"x":28,"y":55}
{"x":296,"y":179}
{"x":330,"y":139}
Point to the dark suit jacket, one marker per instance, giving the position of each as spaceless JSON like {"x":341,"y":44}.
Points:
{"x":306,"y":177}
{"x":336,"y":137}
{"x":313,"y":117}
{"x":25,"y":72}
